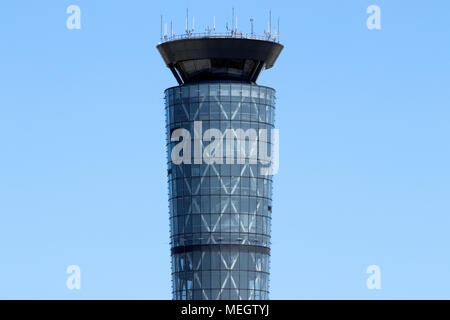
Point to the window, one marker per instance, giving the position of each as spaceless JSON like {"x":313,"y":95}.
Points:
{"x":245,"y":111}
{"x":224,"y":110}
{"x":234,"y":222}
{"x":245,"y":91}
{"x":214,"y":111}
{"x":235,"y":112}
{"x":196,"y":205}
{"x":215,"y":185}
{"x":225,"y":223}
{"x":244,"y":204}
{"x":215,"y":261}
{"x":225,"y":204}
{"x":236,"y":91}
{"x":215,"y":204}
{"x":193,"y":93}
{"x":224,"y":91}
{"x":203,"y":92}
{"x":206,"y":208}
{"x":255,"y":92}
{"x":204,"y":111}
{"x":193,"y":111}
{"x":185,"y":92}
{"x":213,"y":90}
{"x":206,"y":279}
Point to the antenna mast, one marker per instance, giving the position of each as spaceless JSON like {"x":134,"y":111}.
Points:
{"x":278,"y":29}
{"x":270,"y":23}
{"x":161,"y":27}
{"x":232,"y":20}
{"x":187,"y":20}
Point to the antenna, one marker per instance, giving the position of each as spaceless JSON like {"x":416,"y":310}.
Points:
{"x":187,"y":20}
{"x":236,"y":24}
{"x":251,"y":21}
{"x":270,"y":22}
{"x":214,"y":27}
{"x":165,"y":31}
{"x":232,"y":20}
{"x":171,"y":29}
{"x":161,"y":27}
{"x":278,"y":29}
{"x":193,"y":23}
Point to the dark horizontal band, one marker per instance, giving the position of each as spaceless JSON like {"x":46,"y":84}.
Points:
{"x":220,"y":247}
{"x":225,"y":58}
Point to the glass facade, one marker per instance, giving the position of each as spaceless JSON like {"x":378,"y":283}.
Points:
{"x":220,"y":214}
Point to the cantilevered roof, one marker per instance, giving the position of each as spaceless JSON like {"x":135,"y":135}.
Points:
{"x":219,"y":58}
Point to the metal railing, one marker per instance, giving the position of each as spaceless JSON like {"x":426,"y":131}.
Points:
{"x":230,"y":34}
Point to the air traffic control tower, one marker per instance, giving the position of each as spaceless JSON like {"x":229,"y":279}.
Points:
{"x":220,"y":213}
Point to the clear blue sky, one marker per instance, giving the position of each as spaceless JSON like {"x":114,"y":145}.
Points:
{"x":364,"y":159}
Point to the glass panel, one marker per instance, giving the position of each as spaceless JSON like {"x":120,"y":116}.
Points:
{"x":193,"y":111}
{"x":205,"y":223}
{"x":215,"y":204}
{"x":262,"y":93}
{"x":215,"y":223}
{"x":185,"y":92}
{"x":193,"y":91}
{"x":235,"y":111}
{"x":245,"y":91}
{"x":215,"y":260}
{"x":215,"y":185}
{"x":206,"y":279}
{"x":253,"y":112}
{"x":225,"y":223}
{"x":255,"y":92}
{"x":245,"y":111}
{"x":213,"y":90}
{"x":225,"y":204}
{"x":235,"y":205}
{"x":268,"y":118}
{"x":204,"y":111}
{"x":215,"y":111}
{"x":203,"y":91}
{"x":215,"y":280}
{"x":224,"y":110}
{"x":205,"y":205}
{"x":224,"y":90}
{"x":262,"y":112}
{"x":234,"y":223}
{"x":235,"y":90}
{"x":225,"y":186}
{"x":176,"y":95}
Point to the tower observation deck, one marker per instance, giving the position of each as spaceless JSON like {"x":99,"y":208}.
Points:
{"x":220,"y":212}
{"x":196,"y":58}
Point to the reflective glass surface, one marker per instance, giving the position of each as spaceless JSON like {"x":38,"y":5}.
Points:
{"x":220,"y":213}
